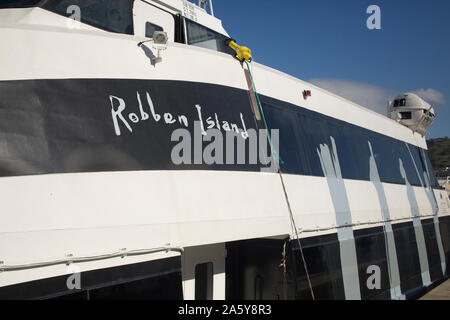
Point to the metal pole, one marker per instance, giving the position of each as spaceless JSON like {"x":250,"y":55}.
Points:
{"x":211,"y":7}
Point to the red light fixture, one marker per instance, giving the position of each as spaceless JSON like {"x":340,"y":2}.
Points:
{"x":306,"y":94}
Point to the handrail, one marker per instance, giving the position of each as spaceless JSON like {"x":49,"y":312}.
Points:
{"x":301,"y":230}
{"x":69,"y":259}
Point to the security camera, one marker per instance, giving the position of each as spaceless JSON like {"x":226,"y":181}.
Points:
{"x":160,"y":37}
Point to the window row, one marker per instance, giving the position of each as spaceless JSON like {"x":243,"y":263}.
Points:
{"x":302,"y":132}
{"x":117,"y":16}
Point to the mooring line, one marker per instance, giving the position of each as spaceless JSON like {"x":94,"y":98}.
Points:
{"x":280,"y":173}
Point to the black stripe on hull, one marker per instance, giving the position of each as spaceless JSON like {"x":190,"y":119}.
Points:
{"x":66,"y":126}
{"x":159,"y":279}
{"x":71,"y":125}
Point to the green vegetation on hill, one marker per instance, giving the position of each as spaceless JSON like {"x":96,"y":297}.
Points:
{"x":439,"y":153}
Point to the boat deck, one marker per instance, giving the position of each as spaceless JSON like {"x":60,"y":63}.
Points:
{"x":441,"y":292}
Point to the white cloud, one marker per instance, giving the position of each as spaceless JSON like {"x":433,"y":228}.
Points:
{"x":430,"y":95}
{"x":373,"y":97}
{"x":370,"y":96}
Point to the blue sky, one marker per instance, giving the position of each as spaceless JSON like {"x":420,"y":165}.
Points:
{"x":327,"y":42}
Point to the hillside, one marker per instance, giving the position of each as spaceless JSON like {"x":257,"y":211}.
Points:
{"x":439,"y":152}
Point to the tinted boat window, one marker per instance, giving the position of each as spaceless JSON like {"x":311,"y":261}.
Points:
{"x":204,"y":281}
{"x":408,"y":164}
{"x":360,"y":143}
{"x":315,"y":135}
{"x":201,"y":36}
{"x":405,"y":115}
{"x":414,"y":151}
{"x":110,"y":15}
{"x":394,"y":156}
{"x":303,"y":131}
{"x":429,"y":169}
{"x":18,"y":3}
{"x":150,"y":29}
{"x":388,"y":165}
{"x":292,"y":149}
{"x":353,"y":152}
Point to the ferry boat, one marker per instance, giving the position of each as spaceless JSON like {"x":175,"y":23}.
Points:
{"x":143,"y":155}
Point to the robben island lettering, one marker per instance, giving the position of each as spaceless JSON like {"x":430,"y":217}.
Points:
{"x":210,"y":128}
{"x":118,"y":107}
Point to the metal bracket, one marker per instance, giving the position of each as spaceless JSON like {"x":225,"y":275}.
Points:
{"x":124,"y":252}
{"x":69,"y":260}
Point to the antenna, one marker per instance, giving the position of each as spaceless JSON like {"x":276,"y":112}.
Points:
{"x":437,"y":113}
{"x":204,"y":4}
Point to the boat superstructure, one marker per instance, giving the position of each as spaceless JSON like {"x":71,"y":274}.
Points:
{"x":412,"y":111}
{"x":163,"y":167}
